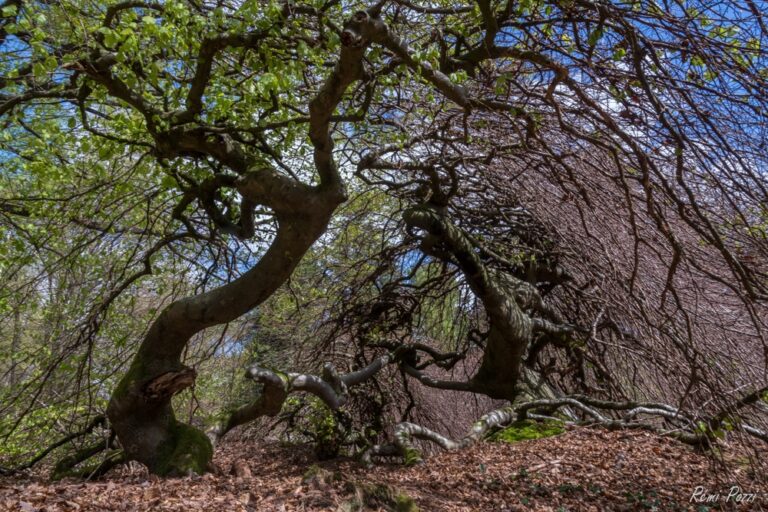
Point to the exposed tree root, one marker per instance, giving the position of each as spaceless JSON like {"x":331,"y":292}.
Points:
{"x":693,"y":431}
{"x":405,"y":432}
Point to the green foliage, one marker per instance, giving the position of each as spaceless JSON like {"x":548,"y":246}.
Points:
{"x":404,"y":503}
{"x":36,"y":430}
{"x":325,"y":429}
{"x":96,"y":187}
{"x":718,"y":432}
{"x":526,"y":430}
{"x":319,"y":476}
{"x":378,"y":497}
{"x":412,"y":456}
{"x":644,"y":500}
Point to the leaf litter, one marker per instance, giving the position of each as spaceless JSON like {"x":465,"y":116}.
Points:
{"x":583,"y":469}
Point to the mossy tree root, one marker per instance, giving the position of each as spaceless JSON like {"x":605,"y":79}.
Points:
{"x":524,"y":423}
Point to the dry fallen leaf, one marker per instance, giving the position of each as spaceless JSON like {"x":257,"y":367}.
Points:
{"x":583,"y":469}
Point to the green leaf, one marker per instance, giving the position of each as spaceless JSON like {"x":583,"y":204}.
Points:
{"x":9,"y":11}
{"x":595,"y":36}
{"x":105,"y":151}
{"x":39,"y":70}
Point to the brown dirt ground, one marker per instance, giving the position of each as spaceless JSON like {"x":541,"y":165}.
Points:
{"x":582,"y":469}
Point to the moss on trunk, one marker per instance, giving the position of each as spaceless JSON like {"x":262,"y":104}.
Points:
{"x":187,"y":451}
{"x":141,"y":413}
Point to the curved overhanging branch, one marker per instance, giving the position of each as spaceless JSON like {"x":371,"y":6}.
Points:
{"x":469,"y":62}
{"x":330,"y":387}
{"x":71,"y":465}
{"x":68,"y":466}
{"x":435,"y":383}
{"x":98,"y":421}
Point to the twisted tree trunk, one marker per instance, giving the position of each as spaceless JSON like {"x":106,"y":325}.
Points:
{"x":140,"y":409}
{"x":506,"y":300}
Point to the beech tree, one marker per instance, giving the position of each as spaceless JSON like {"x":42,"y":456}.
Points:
{"x":593,"y":173}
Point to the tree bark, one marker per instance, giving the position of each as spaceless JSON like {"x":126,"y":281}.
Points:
{"x":140,"y":409}
{"x":330,"y":387}
{"x":503,"y":297}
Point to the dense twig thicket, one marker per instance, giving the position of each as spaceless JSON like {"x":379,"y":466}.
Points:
{"x":561,"y":201}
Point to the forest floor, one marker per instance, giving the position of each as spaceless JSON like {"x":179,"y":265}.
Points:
{"x":581,"y":469}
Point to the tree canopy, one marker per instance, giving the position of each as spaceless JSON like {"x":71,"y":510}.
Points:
{"x":555,"y":204}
